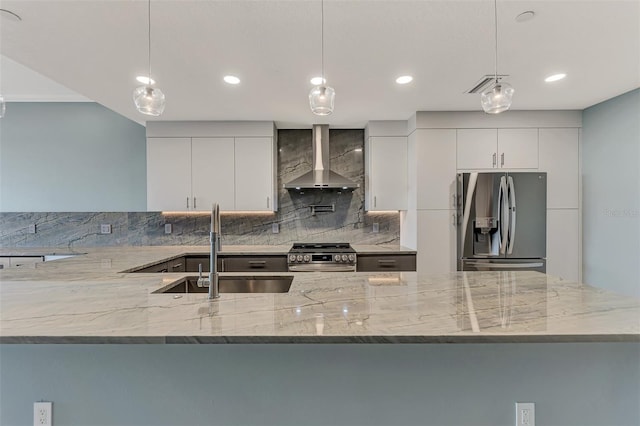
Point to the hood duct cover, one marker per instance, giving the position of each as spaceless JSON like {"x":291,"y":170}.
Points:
{"x":321,"y":177}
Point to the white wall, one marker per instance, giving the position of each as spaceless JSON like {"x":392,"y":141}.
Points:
{"x":70,"y":157}
{"x":611,"y":194}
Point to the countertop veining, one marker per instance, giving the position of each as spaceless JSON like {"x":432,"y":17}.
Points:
{"x":88,"y":299}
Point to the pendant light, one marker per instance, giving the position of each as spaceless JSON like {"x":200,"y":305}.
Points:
{"x":322,"y":97}
{"x":497,"y":98}
{"x":149,"y":100}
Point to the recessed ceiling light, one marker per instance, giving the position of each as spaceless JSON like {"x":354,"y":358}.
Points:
{"x":404,"y":79}
{"x":317,"y":81}
{"x":231,"y":79}
{"x":145,"y":80}
{"x":555,"y":77}
{"x":525,"y":16}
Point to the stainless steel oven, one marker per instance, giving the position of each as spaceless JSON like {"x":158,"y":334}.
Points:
{"x":322,"y":257}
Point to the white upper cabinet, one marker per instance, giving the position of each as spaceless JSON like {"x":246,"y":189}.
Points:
{"x":169,"y":174}
{"x":229,"y":163}
{"x":559,"y":157}
{"x":212,"y":173}
{"x":435,"y":157}
{"x":479,"y":149}
{"x":386,"y":173}
{"x":518,"y":148}
{"x":254,"y":174}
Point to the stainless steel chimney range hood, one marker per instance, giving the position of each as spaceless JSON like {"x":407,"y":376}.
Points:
{"x":321,"y":177}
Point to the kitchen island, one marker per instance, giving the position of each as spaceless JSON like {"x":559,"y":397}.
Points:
{"x":89,"y":299}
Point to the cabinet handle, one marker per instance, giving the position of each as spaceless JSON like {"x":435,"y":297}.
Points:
{"x":455,"y":200}
{"x":177,"y":265}
{"x":375,"y":201}
{"x":495,"y":159}
{"x":502,"y":159}
{"x":187,"y":202}
{"x":453,"y":216}
{"x":257,"y":263}
{"x":267,"y":202}
{"x":194,"y":202}
{"x":222,"y":265}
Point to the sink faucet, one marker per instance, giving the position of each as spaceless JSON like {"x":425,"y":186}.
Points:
{"x":214,"y":239}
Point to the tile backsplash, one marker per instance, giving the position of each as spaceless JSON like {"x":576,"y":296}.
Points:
{"x":294,"y":218}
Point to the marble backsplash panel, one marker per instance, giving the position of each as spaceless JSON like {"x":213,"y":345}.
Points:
{"x":348,"y":223}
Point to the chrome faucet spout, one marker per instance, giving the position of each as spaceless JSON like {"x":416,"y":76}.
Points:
{"x":214,"y":239}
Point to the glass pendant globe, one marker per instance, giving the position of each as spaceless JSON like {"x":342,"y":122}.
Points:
{"x":321,"y":100}
{"x":497,"y":98}
{"x":3,"y":106}
{"x":149,"y":100}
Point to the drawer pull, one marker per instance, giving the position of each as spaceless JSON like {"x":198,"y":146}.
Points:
{"x":177,"y":265}
{"x":257,"y":263}
{"x":386,"y":262}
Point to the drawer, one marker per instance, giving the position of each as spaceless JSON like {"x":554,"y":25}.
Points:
{"x":386,"y":262}
{"x":255,"y":263}
{"x":192,"y":263}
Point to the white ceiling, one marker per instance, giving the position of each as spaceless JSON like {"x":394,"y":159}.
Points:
{"x":97,"y":47}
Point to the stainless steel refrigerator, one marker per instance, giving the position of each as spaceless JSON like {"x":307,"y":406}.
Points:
{"x":502,"y":221}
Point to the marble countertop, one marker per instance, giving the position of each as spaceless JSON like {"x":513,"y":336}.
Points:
{"x":88,"y":299}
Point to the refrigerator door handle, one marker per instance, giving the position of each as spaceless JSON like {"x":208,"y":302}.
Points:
{"x":506,"y":265}
{"x":504,"y":217}
{"x":512,"y":215}
{"x":473,"y":179}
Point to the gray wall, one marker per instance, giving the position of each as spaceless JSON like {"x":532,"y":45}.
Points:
{"x":70,"y":157}
{"x":611,"y":194}
{"x":461,"y":385}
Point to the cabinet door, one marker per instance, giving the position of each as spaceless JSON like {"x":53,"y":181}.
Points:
{"x":254,"y":174}
{"x":436,"y":168}
{"x":436,"y":241}
{"x":559,"y":157}
{"x":212,"y":176}
{"x":518,"y":148}
{"x":563,"y":243}
{"x":388,"y":173}
{"x":168,"y":174}
{"x":477,"y":148}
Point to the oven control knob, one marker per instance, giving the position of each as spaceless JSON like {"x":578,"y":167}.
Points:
{"x":299,"y":258}
{"x":352,"y":258}
{"x":344,"y":258}
{"x":336,"y":258}
{"x":307,"y":258}
{"x":292,"y":258}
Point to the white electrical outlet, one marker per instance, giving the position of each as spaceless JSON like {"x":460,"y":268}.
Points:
{"x":525,"y":414}
{"x":32,"y":228}
{"x":376,"y":227}
{"x":105,"y":229}
{"x":275,"y":228}
{"x":42,"y":413}
{"x":168,"y":228}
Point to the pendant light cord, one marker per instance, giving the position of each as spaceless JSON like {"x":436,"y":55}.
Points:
{"x":495,"y":16}
{"x":149,"y":40}
{"x":322,"y":38}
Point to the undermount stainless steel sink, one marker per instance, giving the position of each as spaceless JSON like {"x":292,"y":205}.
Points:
{"x":233,"y":284}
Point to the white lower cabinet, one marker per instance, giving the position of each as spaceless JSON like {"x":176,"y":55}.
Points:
{"x":436,"y":241}
{"x":563,"y":243}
